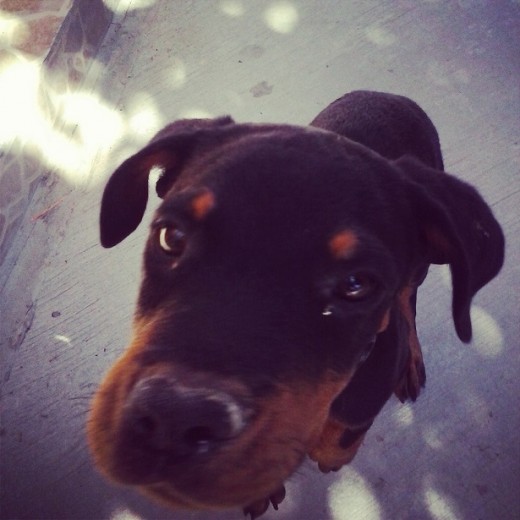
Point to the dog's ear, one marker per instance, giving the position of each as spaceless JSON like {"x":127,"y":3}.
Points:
{"x":458,"y":229}
{"x":126,"y":193}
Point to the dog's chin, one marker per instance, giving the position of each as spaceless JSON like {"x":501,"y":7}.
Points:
{"x":249,"y":469}
{"x":208,"y":497}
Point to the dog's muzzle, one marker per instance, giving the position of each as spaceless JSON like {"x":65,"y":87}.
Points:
{"x":166,"y":423}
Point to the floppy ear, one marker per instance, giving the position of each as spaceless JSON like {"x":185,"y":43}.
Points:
{"x":459,"y":229}
{"x":126,"y":193}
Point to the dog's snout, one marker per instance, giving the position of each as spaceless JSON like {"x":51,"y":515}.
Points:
{"x":165,"y":416}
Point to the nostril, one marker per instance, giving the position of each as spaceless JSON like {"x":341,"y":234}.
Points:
{"x":145,"y":425}
{"x":197,"y":439}
{"x":200,"y":439}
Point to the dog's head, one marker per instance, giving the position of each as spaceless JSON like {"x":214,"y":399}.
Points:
{"x":273,"y":262}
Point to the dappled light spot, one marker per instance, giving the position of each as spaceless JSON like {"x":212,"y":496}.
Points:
{"x":351,"y":497}
{"x":97,"y":123}
{"x":176,"y":74}
{"x":63,"y":339}
{"x":479,"y":407}
{"x":19,"y":80}
{"x":488,"y":339}
{"x":144,"y":118}
{"x":24,"y":122}
{"x":439,"y":505}
{"x":195,"y":113}
{"x":380,"y":36}
{"x":121,"y":6}
{"x":432,"y":437}
{"x":13,"y":30}
{"x":232,"y":8}
{"x":281,"y":17}
{"x":404,"y":415}
{"x":67,"y":141}
{"x":98,"y":128}
{"x":124,"y":514}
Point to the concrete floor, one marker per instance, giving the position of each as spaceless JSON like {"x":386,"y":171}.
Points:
{"x":455,"y":454}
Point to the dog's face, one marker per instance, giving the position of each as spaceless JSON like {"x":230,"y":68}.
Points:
{"x":274,"y":261}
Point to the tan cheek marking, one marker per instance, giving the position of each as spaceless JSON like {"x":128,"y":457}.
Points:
{"x":107,"y":404}
{"x":384,"y":322}
{"x":202,"y":204}
{"x":289,"y":424}
{"x":343,"y":244}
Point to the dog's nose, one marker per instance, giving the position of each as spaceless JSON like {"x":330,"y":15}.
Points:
{"x":165,"y":416}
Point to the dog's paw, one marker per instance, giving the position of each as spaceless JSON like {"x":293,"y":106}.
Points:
{"x":334,"y":460}
{"x":413,"y":378}
{"x":337,"y":446}
{"x":259,"y":507}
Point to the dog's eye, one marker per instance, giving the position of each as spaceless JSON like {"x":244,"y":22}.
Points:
{"x":356,"y":287}
{"x":172,"y":240}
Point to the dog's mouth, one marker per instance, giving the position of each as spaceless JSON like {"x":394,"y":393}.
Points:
{"x":191,"y":442}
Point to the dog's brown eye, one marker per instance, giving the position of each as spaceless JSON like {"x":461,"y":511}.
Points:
{"x":356,"y":287}
{"x":172,"y":240}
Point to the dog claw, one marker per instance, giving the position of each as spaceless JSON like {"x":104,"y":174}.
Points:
{"x":256,"y":509}
{"x":277,"y":497}
{"x":259,"y":507}
{"x":327,"y":469}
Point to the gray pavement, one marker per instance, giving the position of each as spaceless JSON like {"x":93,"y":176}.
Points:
{"x":455,"y":453}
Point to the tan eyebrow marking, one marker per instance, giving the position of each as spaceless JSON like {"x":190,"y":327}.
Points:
{"x":343,"y":244}
{"x":202,"y":204}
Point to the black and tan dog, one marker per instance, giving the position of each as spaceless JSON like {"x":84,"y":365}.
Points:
{"x":276,"y":314}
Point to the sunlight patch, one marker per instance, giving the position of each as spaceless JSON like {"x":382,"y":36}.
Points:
{"x":63,"y":339}
{"x":432,"y":437}
{"x":19,"y":80}
{"x":351,"y":497}
{"x":439,"y":506}
{"x":13,"y":30}
{"x":121,"y":6}
{"x":379,"y":36}
{"x":98,"y":125}
{"x":144,"y":118}
{"x":66,"y":133}
{"x":195,"y":113}
{"x":176,"y":74}
{"x":281,"y":17}
{"x":404,"y":415}
{"x":232,"y":8}
{"x":124,"y":514}
{"x":488,"y":339}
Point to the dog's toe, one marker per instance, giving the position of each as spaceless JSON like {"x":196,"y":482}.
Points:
{"x":414,"y":378}
{"x":259,"y":507}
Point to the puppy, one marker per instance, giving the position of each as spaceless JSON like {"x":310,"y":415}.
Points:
{"x":276,"y":314}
